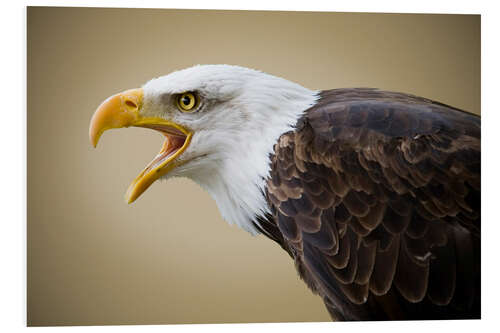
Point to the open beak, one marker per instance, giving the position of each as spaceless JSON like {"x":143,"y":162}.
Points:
{"x":124,"y":110}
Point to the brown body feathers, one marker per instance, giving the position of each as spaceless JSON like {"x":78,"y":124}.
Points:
{"x":376,"y":196}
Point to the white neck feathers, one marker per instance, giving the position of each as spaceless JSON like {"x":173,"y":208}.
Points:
{"x":271,"y":107}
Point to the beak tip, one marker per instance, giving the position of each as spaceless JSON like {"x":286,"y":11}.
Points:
{"x":129,"y":197}
{"x":94,"y":137}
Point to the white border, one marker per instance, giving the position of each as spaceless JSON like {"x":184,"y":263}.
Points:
{"x":421,"y":6}
{"x":13,"y":161}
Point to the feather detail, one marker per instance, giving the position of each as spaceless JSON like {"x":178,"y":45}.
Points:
{"x":387,"y":221}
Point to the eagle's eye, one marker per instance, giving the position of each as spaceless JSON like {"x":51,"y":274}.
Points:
{"x":186,"y":102}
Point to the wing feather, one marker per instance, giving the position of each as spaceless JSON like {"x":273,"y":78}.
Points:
{"x":377,"y":197}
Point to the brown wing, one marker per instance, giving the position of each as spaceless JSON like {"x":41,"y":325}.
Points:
{"x":377,"y":198}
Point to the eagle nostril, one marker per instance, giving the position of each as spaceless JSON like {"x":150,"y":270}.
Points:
{"x":131,"y":104}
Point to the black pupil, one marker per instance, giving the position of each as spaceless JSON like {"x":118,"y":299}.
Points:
{"x":186,"y":100}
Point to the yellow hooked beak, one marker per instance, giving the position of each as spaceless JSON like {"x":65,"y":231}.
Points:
{"x":124,"y":110}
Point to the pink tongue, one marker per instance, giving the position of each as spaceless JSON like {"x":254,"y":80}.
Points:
{"x":170,"y":146}
{"x":175,"y":142}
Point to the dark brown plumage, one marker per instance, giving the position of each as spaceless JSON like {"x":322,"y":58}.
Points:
{"x":376,"y":196}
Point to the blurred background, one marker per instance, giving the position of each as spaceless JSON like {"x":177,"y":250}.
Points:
{"x":170,"y":258}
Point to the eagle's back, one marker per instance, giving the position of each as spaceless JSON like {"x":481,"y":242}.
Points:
{"x":376,"y":196}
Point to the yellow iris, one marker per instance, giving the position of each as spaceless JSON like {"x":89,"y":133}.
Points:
{"x":186,"y":102}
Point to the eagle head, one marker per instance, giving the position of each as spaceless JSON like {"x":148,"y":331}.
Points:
{"x":220,"y":125}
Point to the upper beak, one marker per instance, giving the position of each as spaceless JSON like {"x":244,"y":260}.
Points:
{"x":124,"y":110}
{"x":120,"y":110}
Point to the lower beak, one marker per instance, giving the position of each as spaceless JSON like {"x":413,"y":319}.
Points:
{"x":124,"y":110}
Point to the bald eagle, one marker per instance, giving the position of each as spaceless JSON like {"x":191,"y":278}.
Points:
{"x":374,"y":194}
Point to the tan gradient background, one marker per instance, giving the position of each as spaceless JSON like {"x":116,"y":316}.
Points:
{"x":169,"y":257}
